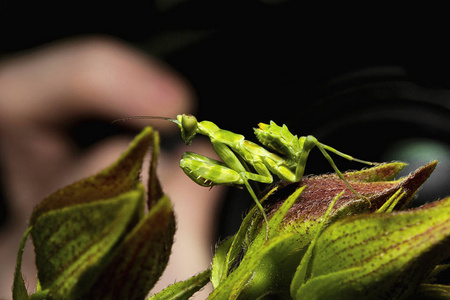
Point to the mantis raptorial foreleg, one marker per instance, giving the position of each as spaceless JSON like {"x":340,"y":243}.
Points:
{"x":207,"y":172}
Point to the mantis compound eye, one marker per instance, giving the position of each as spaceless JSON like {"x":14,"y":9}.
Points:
{"x":188,"y":128}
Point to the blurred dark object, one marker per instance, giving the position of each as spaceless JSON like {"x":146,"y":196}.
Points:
{"x":362,"y":82}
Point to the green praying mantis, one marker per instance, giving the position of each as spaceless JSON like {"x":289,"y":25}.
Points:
{"x":243,"y":160}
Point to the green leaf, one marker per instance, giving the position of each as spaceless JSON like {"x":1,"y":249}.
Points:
{"x":154,"y":192}
{"x":233,"y":286}
{"x":302,"y":270}
{"x":278,"y":216}
{"x":183,"y":290}
{"x":433,"y":292}
{"x":242,"y":240}
{"x":71,"y":243}
{"x":41,"y":295}
{"x":140,"y":259}
{"x":19,"y":288}
{"x":381,"y":172}
{"x":378,"y":256}
{"x":219,"y":268}
{"x":120,"y":177}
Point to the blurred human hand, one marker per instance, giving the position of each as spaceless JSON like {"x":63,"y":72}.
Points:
{"x":45,"y":88}
{"x":42,"y":89}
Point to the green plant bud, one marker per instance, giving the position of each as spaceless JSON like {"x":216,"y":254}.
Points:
{"x":296,"y":212}
{"x":92,"y":238}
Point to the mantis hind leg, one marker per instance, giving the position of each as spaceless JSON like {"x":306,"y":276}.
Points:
{"x":346,"y":156}
{"x":310,"y":143}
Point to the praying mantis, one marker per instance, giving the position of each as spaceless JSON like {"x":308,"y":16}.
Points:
{"x":243,"y":160}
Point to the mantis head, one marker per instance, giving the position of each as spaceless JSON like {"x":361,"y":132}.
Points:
{"x":188,"y":125}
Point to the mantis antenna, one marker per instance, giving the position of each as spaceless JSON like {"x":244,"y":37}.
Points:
{"x":145,"y":118}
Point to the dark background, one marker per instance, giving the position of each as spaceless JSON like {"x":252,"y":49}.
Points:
{"x":372,"y":82}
